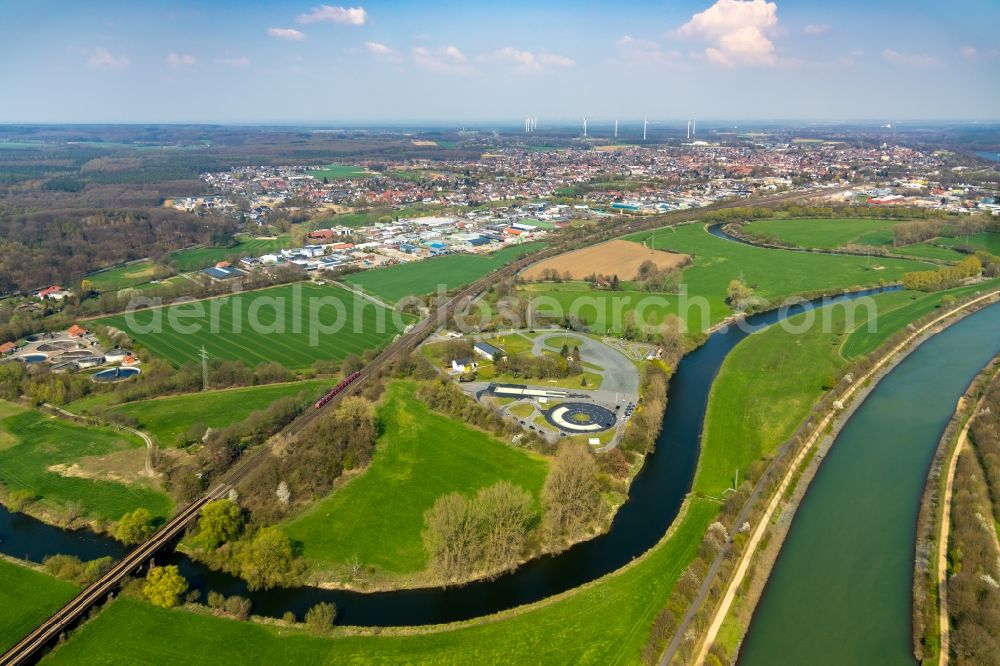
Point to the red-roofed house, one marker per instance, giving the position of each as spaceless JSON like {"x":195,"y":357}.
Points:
{"x":76,"y":331}
{"x":7,"y":348}
{"x":55,"y":292}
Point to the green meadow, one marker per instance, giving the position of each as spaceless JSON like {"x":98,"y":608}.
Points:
{"x":28,"y":598}
{"x":987,"y":240}
{"x":293,"y":325}
{"x":122,"y":277}
{"x":774,"y":274}
{"x":377,"y":517}
{"x":203,"y":257}
{"x":165,"y":418}
{"x":424,"y":277}
{"x":820,"y":233}
{"x":339,"y":172}
{"x":32,"y":443}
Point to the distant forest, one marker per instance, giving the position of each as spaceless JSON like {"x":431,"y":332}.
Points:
{"x":74,"y":199}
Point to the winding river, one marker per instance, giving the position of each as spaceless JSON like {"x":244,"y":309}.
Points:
{"x":840,"y":591}
{"x":654,"y":501}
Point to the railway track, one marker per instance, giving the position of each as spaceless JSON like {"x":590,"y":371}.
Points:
{"x":28,"y":649}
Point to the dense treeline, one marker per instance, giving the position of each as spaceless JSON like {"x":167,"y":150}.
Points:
{"x":943,"y":278}
{"x":300,"y":472}
{"x":973,"y":551}
{"x":60,"y":247}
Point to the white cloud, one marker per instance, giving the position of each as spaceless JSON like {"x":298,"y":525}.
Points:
{"x":348,"y":15}
{"x":972,"y":53}
{"x":242,"y":61}
{"x":102,"y":58}
{"x":378,"y":49}
{"x":911,"y":59}
{"x":526,"y":61}
{"x":736,"y":31}
{"x":638,"y":51}
{"x":176,"y":60}
{"x":286,"y":33}
{"x":816,"y":29}
{"x":449,"y":60}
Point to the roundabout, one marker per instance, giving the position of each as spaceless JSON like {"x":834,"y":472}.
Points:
{"x":581,"y":417}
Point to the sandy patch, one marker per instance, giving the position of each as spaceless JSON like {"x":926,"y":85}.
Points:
{"x":128,"y":467}
{"x":617,"y":257}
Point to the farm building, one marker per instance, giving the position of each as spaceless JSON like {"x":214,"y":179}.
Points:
{"x":223,"y":273}
{"x":76,"y":331}
{"x":486,"y":350}
{"x":7,"y":348}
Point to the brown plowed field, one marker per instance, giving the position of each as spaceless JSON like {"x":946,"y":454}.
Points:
{"x":617,"y":257}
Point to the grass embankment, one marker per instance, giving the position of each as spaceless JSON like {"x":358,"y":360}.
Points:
{"x":203,"y":257}
{"x":377,"y":517}
{"x":425,"y":276}
{"x":165,"y":418}
{"x":987,"y":240}
{"x":271,"y":325}
{"x":770,"y":381}
{"x":603,"y":623}
{"x":774,"y":275}
{"x":93,"y":461}
{"x":27,"y":598}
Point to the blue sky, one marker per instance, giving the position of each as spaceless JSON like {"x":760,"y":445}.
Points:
{"x":256,"y":61}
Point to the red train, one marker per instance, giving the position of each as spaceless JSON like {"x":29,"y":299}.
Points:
{"x":337,"y":389}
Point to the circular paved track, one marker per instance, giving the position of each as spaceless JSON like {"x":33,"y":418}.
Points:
{"x":581,"y":417}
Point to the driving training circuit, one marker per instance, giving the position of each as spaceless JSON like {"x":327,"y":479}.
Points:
{"x":581,"y":417}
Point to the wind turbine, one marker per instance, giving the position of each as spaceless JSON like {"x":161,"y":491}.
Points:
{"x":645,"y":124}
{"x":689,"y":130}
{"x":694,"y":127}
{"x":585,"y":127}
{"x":616,"y":129}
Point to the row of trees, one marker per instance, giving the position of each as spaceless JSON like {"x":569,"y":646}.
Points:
{"x":944,"y":278}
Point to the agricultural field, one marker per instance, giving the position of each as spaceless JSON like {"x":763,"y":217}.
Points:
{"x":339,"y":172}
{"x":822,"y":233}
{"x":203,"y":257}
{"x":166,"y":418}
{"x":616,"y":257}
{"x":601,"y":623}
{"x":28,"y":598}
{"x":292,"y":324}
{"x":87,"y":471}
{"x":122,"y":277}
{"x":377,"y":517}
{"x":424,"y":277}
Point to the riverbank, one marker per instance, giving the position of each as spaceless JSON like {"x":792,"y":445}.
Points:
{"x":930,"y":593}
{"x":804,"y":452}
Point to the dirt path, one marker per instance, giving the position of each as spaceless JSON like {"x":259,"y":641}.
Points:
{"x":942,"y":549}
{"x":818,"y":433}
{"x":151,"y":450}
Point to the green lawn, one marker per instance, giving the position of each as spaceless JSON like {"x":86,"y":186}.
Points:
{"x":165,"y":418}
{"x":424,"y":277}
{"x":604,"y":623}
{"x":339,"y":172}
{"x":775,"y":275}
{"x":27,"y":598}
{"x":122,"y":277}
{"x":378,"y":516}
{"x":35,"y":442}
{"x":295,"y":325}
{"x":818,"y":233}
{"x":989,"y":241}
{"x":203,"y":257}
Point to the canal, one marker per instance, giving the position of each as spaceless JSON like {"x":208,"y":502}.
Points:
{"x":840,"y":592}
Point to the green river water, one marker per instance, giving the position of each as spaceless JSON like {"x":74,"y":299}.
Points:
{"x":840,"y":592}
